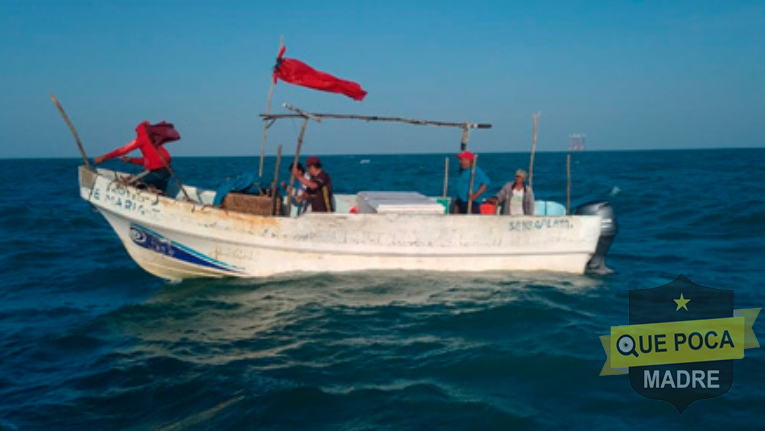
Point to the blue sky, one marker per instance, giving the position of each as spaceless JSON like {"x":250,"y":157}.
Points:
{"x":631,"y":75}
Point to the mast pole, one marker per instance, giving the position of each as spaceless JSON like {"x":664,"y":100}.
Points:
{"x":268,"y":111}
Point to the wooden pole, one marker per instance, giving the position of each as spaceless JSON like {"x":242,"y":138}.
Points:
{"x":465,"y":136}
{"x":317,"y":116}
{"x":275,"y":184}
{"x":302,"y":113}
{"x":74,"y":132}
{"x":533,"y":149}
{"x":446,"y":176}
{"x":568,"y":186}
{"x":268,"y":111}
{"x":297,"y":158}
{"x":470,"y":189}
{"x":177,"y":180}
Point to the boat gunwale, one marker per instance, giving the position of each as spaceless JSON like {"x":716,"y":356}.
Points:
{"x":210,"y":209}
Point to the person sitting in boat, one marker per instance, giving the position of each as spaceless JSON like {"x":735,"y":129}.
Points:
{"x":480,"y":183}
{"x":517,"y":196}
{"x":158,"y":170}
{"x":318,"y":186}
{"x":299,"y":195}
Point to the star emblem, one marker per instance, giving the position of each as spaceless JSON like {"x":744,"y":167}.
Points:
{"x":682,"y":303}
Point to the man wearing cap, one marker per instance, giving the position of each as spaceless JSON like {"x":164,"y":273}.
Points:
{"x":480,"y":183}
{"x":517,"y":196}
{"x":318,"y":186}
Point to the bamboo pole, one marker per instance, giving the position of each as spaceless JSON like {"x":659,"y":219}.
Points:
{"x":378,"y":118}
{"x":302,"y":113}
{"x":446,"y":176}
{"x":275,"y":184}
{"x":297,"y":158}
{"x":74,"y":132}
{"x":568,"y":185}
{"x":268,"y":111}
{"x":533,"y":149}
{"x":470,"y":190}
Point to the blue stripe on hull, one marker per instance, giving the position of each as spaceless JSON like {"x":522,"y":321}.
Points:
{"x":156,"y":242}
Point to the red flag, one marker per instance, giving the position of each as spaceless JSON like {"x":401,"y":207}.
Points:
{"x":298,"y":73}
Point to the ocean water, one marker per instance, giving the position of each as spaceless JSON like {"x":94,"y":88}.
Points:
{"x":89,"y":341}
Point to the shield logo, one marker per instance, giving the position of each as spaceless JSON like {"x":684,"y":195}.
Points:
{"x":679,"y":300}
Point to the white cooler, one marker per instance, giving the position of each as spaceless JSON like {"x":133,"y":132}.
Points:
{"x":397,"y":203}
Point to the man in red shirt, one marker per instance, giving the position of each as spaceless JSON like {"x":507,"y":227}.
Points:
{"x":158,"y":174}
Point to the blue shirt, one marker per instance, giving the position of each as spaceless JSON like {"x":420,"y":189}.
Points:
{"x":463,"y":183}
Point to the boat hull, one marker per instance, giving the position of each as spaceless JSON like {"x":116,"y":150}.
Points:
{"x":173,"y":239}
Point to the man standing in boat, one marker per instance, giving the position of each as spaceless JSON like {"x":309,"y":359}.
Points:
{"x":480,"y":183}
{"x":517,"y":196}
{"x":298,"y":193}
{"x":153,"y":153}
{"x":318,"y":186}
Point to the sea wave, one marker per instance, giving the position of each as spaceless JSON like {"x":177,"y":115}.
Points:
{"x":91,"y":341}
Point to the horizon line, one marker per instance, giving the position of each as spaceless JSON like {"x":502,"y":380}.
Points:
{"x":430,"y":153}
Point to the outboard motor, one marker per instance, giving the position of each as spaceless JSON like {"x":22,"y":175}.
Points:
{"x":608,"y":231}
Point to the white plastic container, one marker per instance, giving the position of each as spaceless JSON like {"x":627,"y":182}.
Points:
{"x":397,"y":203}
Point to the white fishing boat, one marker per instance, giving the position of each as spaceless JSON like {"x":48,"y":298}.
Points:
{"x":186,"y":236}
{"x":174,"y":238}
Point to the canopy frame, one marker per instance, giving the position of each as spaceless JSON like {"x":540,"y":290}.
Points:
{"x":299,"y":113}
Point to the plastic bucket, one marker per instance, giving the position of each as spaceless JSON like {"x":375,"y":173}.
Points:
{"x":488,"y":209}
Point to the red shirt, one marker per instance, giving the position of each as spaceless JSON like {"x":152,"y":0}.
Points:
{"x":150,"y":160}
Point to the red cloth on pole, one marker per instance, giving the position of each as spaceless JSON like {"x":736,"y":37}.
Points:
{"x":298,"y":73}
{"x":162,"y":133}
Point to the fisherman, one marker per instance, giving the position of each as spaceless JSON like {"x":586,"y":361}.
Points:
{"x":318,"y":186}
{"x":153,"y":154}
{"x":480,"y":183}
{"x":517,"y":196}
{"x":299,"y":195}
